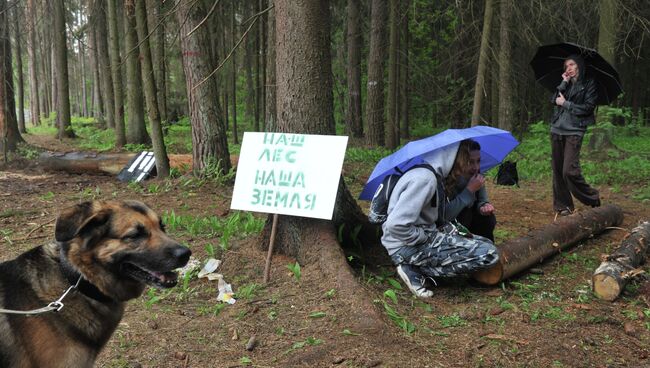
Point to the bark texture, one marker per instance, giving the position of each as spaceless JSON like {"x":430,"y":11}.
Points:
{"x":209,"y":145}
{"x":376,"y":57}
{"x":136,"y":131}
{"x":505,"y":67}
{"x":618,"y":268}
{"x":521,"y":253}
{"x":479,"y":86}
{"x":34,"y":108}
{"x":19,"y":65}
{"x":150,"y":94}
{"x":392,"y":128}
{"x":62,"y":82}
{"x":354,"y":126}
{"x":103,"y":61}
{"x":305,"y":105}
{"x":116,"y":62}
{"x":270,"y":114}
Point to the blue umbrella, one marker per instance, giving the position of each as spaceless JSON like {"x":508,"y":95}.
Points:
{"x":495,"y":146}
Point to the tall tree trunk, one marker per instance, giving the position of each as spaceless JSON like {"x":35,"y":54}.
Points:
{"x":404,"y":84}
{"x":116,"y":62}
{"x":5,"y":144}
{"x":136,"y":127}
{"x":34,"y":108}
{"x":262,"y":60}
{"x":392,"y":128}
{"x":84,"y":88}
{"x":505,"y":67}
{"x":104,"y":65}
{"x":233,"y":73}
{"x":98,"y":102}
{"x":376,"y":57}
{"x":46,"y":56}
{"x":479,"y":86}
{"x":157,"y":26}
{"x":608,"y":30}
{"x":9,"y":133}
{"x":257,"y":83}
{"x":17,"y":16}
{"x":62,"y":82}
{"x":223,"y":84}
{"x":305,"y":105}
{"x":209,"y":143}
{"x":271,"y":111}
{"x":248,"y":66}
{"x":354,"y":125}
{"x":150,"y":94}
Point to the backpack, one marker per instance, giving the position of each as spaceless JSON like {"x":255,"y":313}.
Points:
{"x":379,"y":202}
{"x":507,"y":174}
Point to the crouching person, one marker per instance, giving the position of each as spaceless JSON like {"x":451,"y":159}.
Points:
{"x":419,"y":247}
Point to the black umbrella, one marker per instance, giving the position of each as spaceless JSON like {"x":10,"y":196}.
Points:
{"x":548,"y":65}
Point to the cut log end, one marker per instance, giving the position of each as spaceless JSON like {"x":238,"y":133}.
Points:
{"x":606,"y":287}
{"x":490,"y":276}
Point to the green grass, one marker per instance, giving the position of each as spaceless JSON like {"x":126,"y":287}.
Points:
{"x":628,"y":164}
{"x":239,"y":224}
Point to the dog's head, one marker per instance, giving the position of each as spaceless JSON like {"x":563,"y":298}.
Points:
{"x":119,"y":246}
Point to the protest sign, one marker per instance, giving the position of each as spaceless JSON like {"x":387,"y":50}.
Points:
{"x":289,"y":174}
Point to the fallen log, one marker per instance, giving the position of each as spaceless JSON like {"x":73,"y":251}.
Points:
{"x":98,"y":163}
{"x":618,"y":268}
{"x":521,"y":253}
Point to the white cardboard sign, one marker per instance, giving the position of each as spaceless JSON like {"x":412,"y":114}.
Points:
{"x":289,"y":174}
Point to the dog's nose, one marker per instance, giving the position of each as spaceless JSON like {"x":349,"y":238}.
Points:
{"x":181,"y":253}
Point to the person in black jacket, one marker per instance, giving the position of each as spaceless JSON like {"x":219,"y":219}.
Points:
{"x":575,"y":102}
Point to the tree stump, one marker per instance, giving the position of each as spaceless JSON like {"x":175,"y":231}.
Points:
{"x":601,"y":139}
{"x":521,"y":253}
{"x":618,"y":268}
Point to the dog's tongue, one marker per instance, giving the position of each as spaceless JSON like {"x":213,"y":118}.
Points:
{"x":165,"y":276}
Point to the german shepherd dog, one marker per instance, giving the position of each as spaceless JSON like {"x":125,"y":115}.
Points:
{"x":110,"y":250}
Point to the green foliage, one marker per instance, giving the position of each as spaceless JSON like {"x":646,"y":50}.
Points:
{"x":390,"y":294}
{"x":240,"y":224}
{"x":27,"y":151}
{"x":42,"y":129}
{"x":248,"y":291}
{"x":398,"y":319}
{"x":92,"y":138}
{"x":627,"y":164}
{"x":295,"y":269}
{"x":359,"y":154}
{"x":454,"y":320}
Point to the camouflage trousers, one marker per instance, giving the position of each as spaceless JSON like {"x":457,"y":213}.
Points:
{"x":449,"y":254}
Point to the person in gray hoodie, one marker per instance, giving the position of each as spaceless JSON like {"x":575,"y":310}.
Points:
{"x":468,"y":201}
{"x":575,"y":101}
{"x":419,"y":248}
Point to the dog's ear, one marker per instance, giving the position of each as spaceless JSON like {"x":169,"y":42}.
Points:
{"x":75,"y":220}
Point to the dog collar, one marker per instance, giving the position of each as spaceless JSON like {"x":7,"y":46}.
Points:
{"x":84,"y":287}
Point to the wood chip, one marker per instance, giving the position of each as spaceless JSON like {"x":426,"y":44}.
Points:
{"x":252,"y":343}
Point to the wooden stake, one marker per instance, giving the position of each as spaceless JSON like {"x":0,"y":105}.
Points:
{"x":267,"y":268}
{"x":618,"y":268}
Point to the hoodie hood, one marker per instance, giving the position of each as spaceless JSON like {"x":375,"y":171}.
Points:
{"x":442,"y":160}
{"x":582,"y":69}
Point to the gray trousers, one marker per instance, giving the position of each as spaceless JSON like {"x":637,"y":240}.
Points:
{"x":449,"y":254}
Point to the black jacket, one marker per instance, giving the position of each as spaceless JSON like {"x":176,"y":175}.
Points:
{"x":578,"y":110}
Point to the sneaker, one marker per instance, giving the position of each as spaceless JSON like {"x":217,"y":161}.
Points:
{"x":414,"y":281}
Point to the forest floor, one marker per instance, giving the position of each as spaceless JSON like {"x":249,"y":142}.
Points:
{"x":548,"y":318}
